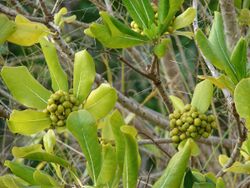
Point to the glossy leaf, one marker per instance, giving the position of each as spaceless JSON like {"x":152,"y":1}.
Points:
{"x":208,"y":50}
{"x":84,"y":74}
{"x":148,"y":11}
{"x":131,"y":158}
{"x":7,"y":28}
{"x":202,"y":97}
{"x":245,"y":149}
{"x":27,"y":33}
{"x":175,"y":170}
{"x":134,"y":9}
{"x":44,"y":179}
{"x":58,"y":76}
{"x":28,"y":122}
{"x":217,"y":39}
{"x":177,"y":102}
{"x":101,"y":101}
{"x":83,"y":127}
{"x":27,"y":90}
{"x":49,"y":141}
{"x":222,"y":82}
{"x":109,"y":165}
{"x":242,"y":100}
{"x":22,"y":171}
{"x":239,"y":58}
{"x":35,"y":152}
{"x":185,"y":19}
{"x":195,"y":151}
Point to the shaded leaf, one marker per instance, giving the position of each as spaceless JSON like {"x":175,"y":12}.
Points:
{"x":8,"y":181}
{"x":27,"y":33}
{"x":131,"y":158}
{"x":28,"y":122}
{"x":84,"y":74}
{"x":202,"y":96}
{"x":27,"y":90}
{"x":35,"y":152}
{"x":8,"y":27}
{"x":83,"y":127}
{"x":163,"y":8}
{"x":239,"y":58}
{"x":44,"y":179}
{"x":22,"y":171}
{"x":109,"y":165}
{"x":58,"y":76}
{"x":101,"y":101}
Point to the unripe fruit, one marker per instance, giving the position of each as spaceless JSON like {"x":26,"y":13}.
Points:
{"x":183,"y":136}
{"x":194,"y":114}
{"x":194,"y":135}
{"x":171,"y":116}
{"x":175,"y":138}
{"x":50,"y":101}
{"x":187,"y":107}
{"x":67,"y":104}
{"x":197,"y":122}
{"x":52,"y":108}
{"x":175,"y":131}
{"x":60,"y":109}
{"x":189,"y":120}
{"x":179,"y":122}
{"x":205,"y":135}
{"x":60,"y":123}
{"x":53,"y":118}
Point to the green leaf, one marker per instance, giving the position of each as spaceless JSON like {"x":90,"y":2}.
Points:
{"x":109,"y":165}
{"x":28,"y":122}
{"x":35,"y":152}
{"x":134,"y":9}
{"x":22,"y":171}
{"x":163,"y":8}
{"x":84,"y":74}
{"x":242,"y":100}
{"x":208,"y":50}
{"x":195,"y":148}
{"x":217,"y":39}
{"x":44,"y":179}
{"x":102,"y":33}
{"x":174,"y":6}
{"x":239,"y":58}
{"x":185,"y":19}
{"x":83,"y":127}
{"x":245,"y":149}
{"x":116,"y":121}
{"x":27,"y":33}
{"x":173,"y":175}
{"x":222,"y":82}
{"x":58,"y":76}
{"x":8,"y":27}
{"x":10,"y":181}
{"x":177,"y":102}
{"x":202,"y":96}
{"x":49,"y":141}
{"x":101,"y":101}
{"x":27,"y":90}
{"x":148,"y":11}
{"x":131,"y":158}
{"x":203,"y":185}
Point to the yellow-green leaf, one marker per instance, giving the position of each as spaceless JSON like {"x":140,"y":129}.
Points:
{"x":185,"y":19}
{"x":49,"y":141}
{"x":58,"y":76}
{"x":177,"y":102}
{"x":27,"y":33}
{"x":7,"y":28}
{"x":28,"y":122}
{"x":84,"y":74}
{"x":24,"y":87}
{"x":101,"y":101}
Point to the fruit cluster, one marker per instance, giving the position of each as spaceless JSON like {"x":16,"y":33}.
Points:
{"x":190,"y":123}
{"x":60,"y":105}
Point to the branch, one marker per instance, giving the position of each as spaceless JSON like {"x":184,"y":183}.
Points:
{"x":230,"y":22}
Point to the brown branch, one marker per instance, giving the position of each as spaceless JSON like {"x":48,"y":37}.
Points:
{"x":4,"y":113}
{"x":48,"y":16}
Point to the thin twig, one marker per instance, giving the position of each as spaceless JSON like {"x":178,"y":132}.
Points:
{"x":48,"y":16}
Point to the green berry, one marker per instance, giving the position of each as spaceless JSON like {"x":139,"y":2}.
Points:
{"x":175,"y":131}
{"x":61,"y":117}
{"x":55,"y":96}
{"x":67,"y":104}
{"x":194,"y":109}
{"x":203,"y":123}
{"x":189,"y":120}
{"x":50,"y":101}
{"x":192,"y":128}
{"x":177,"y":115}
{"x":213,"y":125}
{"x":60,"y":123}
{"x":205,"y":135}
{"x":68,"y":111}
{"x":46,"y":111}
{"x":75,"y":108}
{"x":72,"y":99}
{"x":173,"y":122}
{"x":53,"y":118}
{"x":187,"y":107}
{"x":183,"y":136}
{"x":179,"y":122}
{"x":183,"y":118}
{"x":194,"y":135}
{"x":197,"y":122}
{"x":195,"y":114}
{"x":175,"y":138}
{"x":208,"y":128}
{"x":185,"y":126}
{"x":52,"y":108}
{"x":203,"y":117}
{"x":60,"y":109}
